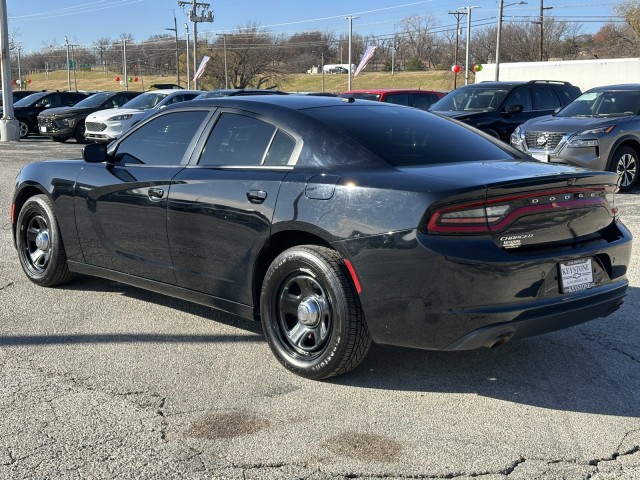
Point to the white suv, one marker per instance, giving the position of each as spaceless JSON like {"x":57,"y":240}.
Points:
{"x":106,"y":125}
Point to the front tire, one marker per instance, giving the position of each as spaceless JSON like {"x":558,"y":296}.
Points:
{"x":79,"y":133}
{"x":23,"y":129}
{"x":625,"y":163}
{"x":40,"y":249}
{"x":311,"y":313}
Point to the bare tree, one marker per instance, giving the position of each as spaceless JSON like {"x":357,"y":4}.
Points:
{"x":253,"y":59}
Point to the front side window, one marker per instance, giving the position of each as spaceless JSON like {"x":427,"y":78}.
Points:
{"x":519,"y":96}
{"x":544,"y":98}
{"x":238,"y":140}
{"x":161,"y":141}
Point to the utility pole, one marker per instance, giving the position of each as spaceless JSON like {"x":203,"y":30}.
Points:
{"x":205,"y":15}
{"x":542,"y":9}
{"x":458,"y":14}
{"x":175,"y":30}
{"x":8,"y":124}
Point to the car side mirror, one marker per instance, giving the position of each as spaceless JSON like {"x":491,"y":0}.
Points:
{"x":95,"y":153}
{"x":515,"y":109}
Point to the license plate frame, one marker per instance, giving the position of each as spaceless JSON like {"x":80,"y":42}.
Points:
{"x":576,"y":275}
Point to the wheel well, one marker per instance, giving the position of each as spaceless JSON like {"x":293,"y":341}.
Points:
{"x":627,"y":143}
{"x":24,"y":195}
{"x":278,"y":244}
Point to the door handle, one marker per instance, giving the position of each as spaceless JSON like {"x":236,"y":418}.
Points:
{"x":155,"y":193}
{"x":256,"y":196}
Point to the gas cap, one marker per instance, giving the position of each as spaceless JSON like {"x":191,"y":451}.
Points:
{"x":321,"y":187}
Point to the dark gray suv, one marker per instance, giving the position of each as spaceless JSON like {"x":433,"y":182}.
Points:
{"x":599,"y":130}
{"x":497,"y":108}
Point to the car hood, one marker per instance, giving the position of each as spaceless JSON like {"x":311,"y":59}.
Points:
{"x":102,"y":115}
{"x":66,"y":111}
{"x":549,"y":123}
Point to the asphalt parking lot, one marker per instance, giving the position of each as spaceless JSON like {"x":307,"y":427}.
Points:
{"x":102,"y":380}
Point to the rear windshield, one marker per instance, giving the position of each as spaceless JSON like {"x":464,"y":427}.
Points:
{"x":362,"y":96}
{"x":407,"y":136}
{"x":30,"y":99}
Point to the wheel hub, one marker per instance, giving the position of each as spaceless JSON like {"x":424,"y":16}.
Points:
{"x":309,"y":312}
{"x":42,"y":240}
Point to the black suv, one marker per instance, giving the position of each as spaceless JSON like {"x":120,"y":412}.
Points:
{"x":497,"y":108}
{"x":26,"y":110}
{"x":62,"y":123}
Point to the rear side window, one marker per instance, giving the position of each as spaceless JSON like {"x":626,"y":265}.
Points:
{"x":404,"y":137}
{"x":239,"y":140}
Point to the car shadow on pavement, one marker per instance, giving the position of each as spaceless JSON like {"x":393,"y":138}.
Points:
{"x":593,"y":368}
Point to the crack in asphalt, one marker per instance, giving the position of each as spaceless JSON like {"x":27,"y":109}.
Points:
{"x":10,"y":284}
{"x":610,"y":347}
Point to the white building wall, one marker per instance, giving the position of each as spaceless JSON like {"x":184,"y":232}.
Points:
{"x":585,"y":74}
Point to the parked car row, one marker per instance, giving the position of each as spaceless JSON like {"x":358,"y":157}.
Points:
{"x":549,"y":120}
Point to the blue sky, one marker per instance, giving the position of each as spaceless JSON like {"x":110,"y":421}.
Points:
{"x":48,"y":21}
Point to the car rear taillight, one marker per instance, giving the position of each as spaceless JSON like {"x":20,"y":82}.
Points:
{"x":497,"y":214}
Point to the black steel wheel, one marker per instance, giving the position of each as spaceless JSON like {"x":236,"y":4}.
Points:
{"x":625,"y":163}
{"x":311,"y":313}
{"x":40,"y":249}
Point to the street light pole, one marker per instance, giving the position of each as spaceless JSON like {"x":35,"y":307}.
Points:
{"x":175,"y":30}
{"x":466,"y":66}
{"x":186,"y":26}
{"x":500,"y":13}
{"x":66,"y":41}
{"x":8,"y":124}
{"x":457,"y":14}
{"x":350,"y":18}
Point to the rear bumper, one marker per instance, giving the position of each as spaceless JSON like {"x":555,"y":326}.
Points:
{"x":438,"y":294}
{"x":537,"y":321}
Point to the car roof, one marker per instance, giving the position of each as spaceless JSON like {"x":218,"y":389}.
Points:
{"x":391,"y":90}
{"x":174,"y":91}
{"x":627,"y":87}
{"x":294,"y":102}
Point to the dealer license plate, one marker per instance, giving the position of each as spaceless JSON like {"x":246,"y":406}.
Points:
{"x":576,"y":275}
{"x":542,"y":157}
{"x":43,"y":129}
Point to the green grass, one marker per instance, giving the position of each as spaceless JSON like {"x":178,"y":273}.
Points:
{"x":94,"y":80}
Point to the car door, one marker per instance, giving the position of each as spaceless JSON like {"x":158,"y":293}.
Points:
{"x":121,"y":205}
{"x":221,"y":208}
{"x":507,"y":122}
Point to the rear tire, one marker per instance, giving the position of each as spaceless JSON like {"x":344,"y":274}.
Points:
{"x":311,"y":313}
{"x":625,"y":163}
{"x":40,"y":249}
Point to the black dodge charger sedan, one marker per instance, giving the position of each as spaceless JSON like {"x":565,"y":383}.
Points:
{"x":334,"y":222}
